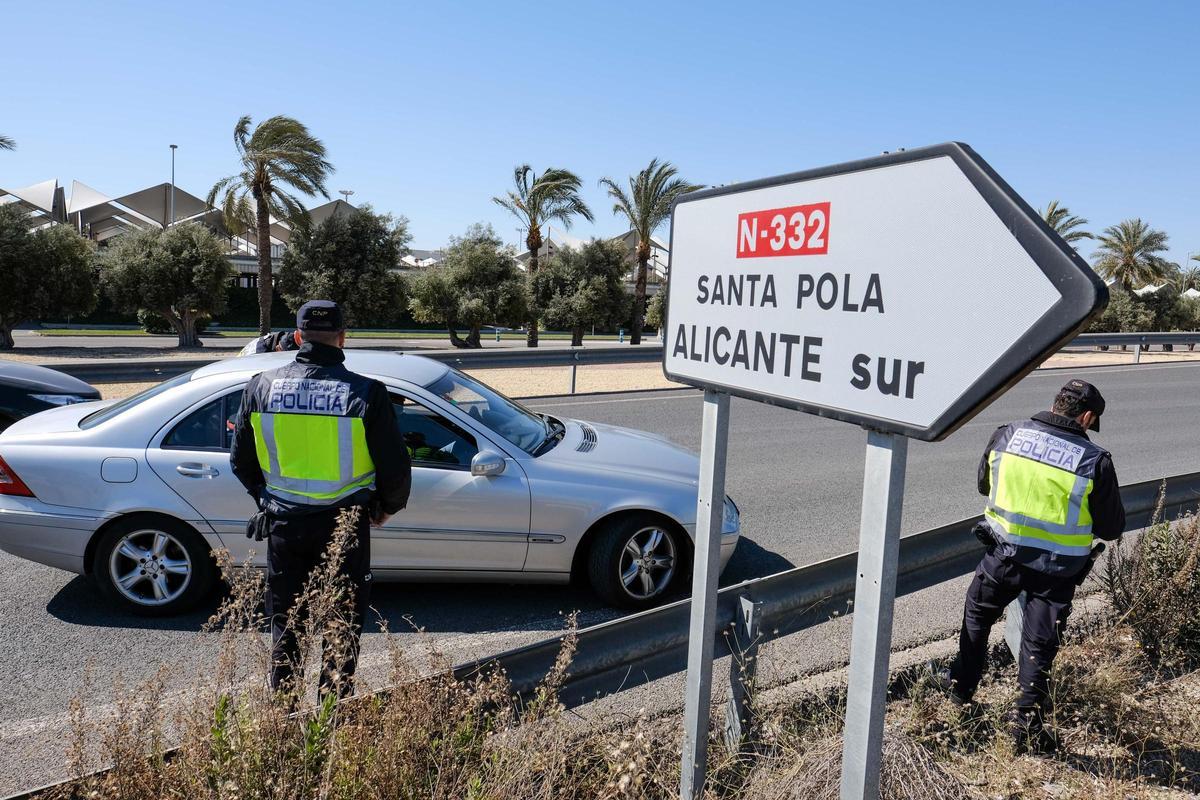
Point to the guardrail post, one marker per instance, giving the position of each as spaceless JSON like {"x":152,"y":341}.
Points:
{"x":743,"y":668}
{"x":1014,"y":625}
{"x":702,"y":630}
{"x":574,"y":366}
{"x":1137,"y":353}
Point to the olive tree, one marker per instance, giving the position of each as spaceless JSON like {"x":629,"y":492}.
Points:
{"x":477,"y":283}
{"x":49,"y":272}
{"x":351,"y":259}
{"x":180,"y":274}
{"x":581,"y":288}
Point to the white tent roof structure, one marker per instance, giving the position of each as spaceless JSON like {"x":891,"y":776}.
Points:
{"x":1191,"y":294}
{"x":45,"y":200}
{"x":154,"y":204}
{"x":1148,"y":290}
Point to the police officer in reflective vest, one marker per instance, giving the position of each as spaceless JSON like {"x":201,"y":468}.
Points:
{"x":1051,"y":492}
{"x":313,"y":438}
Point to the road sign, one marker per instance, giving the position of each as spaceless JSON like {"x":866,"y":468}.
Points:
{"x":903,"y":293}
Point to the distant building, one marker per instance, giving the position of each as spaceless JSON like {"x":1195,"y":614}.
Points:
{"x":419,"y":259}
{"x":656,"y":267}
{"x":100,"y":217}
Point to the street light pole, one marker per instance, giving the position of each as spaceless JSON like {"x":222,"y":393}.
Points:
{"x":173,"y":148}
{"x":345,"y":193}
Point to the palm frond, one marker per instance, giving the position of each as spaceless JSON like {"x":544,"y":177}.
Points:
{"x":652,"y":192}
{"x":1128,"y":253}
{"x":7,"y":143}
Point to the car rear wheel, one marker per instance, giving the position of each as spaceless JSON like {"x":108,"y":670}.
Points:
{"x":634,"y":561}
{"x":153,"y":566}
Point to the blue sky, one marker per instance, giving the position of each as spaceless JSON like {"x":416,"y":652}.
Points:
{"x":426,"y":107}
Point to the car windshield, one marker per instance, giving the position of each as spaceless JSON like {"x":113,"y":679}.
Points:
{"x":121,"y":406}
{"x":506,"y":417}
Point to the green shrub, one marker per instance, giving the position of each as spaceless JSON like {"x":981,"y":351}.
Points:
{"x":1153,"y":583}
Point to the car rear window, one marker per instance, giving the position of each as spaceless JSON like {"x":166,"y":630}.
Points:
{"x":121,"y":406}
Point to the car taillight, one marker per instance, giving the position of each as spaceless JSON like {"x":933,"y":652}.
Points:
{"x":10,"y":483}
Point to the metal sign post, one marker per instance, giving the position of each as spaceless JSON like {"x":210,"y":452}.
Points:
{"x":710,"y":512}
{"x":874,"y":600}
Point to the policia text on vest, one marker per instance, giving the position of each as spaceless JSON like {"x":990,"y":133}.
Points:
{"x":312,"y":439}
{"x":1051,"y":491}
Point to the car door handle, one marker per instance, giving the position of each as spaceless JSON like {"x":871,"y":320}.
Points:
{"x":197,"y":471}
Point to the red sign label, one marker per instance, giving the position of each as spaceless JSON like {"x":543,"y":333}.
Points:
{"x":791,"y":231}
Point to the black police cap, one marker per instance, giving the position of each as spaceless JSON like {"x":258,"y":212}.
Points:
{"x":1089,"y":395}
{"x":320,"y":315}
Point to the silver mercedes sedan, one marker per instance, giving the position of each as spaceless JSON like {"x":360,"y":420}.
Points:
{"x":137,"y":493}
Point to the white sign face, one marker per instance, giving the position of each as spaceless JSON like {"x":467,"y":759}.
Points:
{"x":889,"y":294}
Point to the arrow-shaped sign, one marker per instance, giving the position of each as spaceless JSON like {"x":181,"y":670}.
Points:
{"x":903,"y":292}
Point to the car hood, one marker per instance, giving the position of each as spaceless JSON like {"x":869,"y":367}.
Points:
{"x":625,"y":451}
{"x":54,"y":420}
{"x":34,"y":379}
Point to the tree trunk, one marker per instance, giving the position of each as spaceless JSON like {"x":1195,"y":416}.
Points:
{"x":534,"y":242}
{"x":6,"y":337}
{"x":185,"y":329}
{"x":473,"y":338}
{"x":639,"y":294}
{"x":454,"y":338}
{"x":265,"y":281}
{"x":576,"y":337}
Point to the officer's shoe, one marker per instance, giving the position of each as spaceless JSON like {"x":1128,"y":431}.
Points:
{"x":1029,"y":733}
{"x":948,"y":686}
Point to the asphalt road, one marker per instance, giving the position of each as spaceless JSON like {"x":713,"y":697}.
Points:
{"x":797,"y":478}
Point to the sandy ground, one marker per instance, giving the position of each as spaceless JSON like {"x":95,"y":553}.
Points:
{"x":542,"y":381}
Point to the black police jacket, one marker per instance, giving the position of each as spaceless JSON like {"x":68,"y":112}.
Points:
{"x":1108,"y":512}
{"x":393,"y":470}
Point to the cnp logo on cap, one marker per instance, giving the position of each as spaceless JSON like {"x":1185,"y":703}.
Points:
{"x":319,"y":315}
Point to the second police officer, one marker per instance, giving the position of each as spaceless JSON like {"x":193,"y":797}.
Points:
{"x":313,"y":438}
{"x":1050,"y":491}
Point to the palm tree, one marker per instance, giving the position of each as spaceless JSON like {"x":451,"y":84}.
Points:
{"x":1188,"y":277}
{"x":536,"y":200}
{"x":1065,"y":224}
{"x":646,"y":206}
{"x":279,"y":153}
{"x":1128,"y":253}
{"x":7,"y":143}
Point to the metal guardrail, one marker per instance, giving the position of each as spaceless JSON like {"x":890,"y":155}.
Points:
{"x":1143,"y":339}
{"x":632,"y":651}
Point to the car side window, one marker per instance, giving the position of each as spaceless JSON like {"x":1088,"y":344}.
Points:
{"x":431,"y":439}
{"x":209,"y":427}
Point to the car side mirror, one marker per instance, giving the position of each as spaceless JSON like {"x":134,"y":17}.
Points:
{"x":487,"y":463}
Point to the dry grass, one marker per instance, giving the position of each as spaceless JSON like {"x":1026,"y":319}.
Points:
{"x":1128,"y":728}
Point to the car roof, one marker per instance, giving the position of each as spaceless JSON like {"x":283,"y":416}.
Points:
{"x":30,"y":377}
{"x":414,"y":369}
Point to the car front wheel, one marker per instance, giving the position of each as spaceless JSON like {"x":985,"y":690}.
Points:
{"x":153,"y":566}
{"x":634,"y":561}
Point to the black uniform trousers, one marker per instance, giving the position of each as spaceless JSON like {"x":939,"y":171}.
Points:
{"x":295,"y":548}
{"x":1048,"y":603}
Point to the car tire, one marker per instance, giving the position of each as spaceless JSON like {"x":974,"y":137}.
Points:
{"x":166,"y":566}
{"x":627,"y":563}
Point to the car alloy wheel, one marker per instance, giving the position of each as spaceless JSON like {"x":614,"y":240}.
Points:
{"x":150,"y":567}
{"x":647,"y":563}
